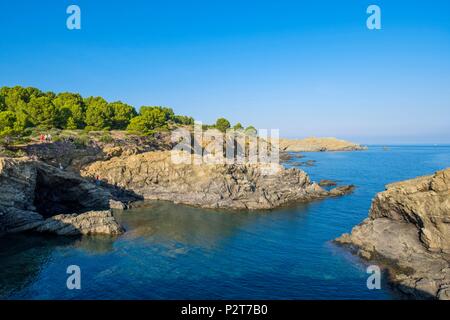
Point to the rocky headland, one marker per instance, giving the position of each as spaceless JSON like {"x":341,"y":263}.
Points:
{"x":68,"y":188}
{"x":408,"y":232}
{"x":154,"y":176}
{"x":318,"y":144}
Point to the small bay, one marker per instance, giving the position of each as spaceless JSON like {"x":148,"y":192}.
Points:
{"x":177,"y":252}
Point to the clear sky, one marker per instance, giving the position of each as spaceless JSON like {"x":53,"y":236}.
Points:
{"x":305,"y":67}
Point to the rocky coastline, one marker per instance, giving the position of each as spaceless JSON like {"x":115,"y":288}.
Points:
{"x":35,"y":196}
{"x":260,"y":186}
{"x":65,"y":188}
{"x":408,"y":232}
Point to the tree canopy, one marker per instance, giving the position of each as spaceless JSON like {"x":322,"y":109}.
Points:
{"x":149,"y":119}
{"x":30,"y":107}
{"x":251,"y":131}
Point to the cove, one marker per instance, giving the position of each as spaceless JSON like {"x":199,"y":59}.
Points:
{"x":177,"y":252}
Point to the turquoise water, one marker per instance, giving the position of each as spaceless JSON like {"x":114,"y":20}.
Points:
{"x":177,"y":252}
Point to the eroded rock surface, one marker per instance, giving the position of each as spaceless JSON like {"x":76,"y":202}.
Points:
{"x":88,"y":223}
{"x":408,"y":231}
{"x":154,"y":176}
{"x":31,"y":191}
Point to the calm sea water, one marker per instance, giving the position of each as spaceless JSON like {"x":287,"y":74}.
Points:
{"x":177,"y":252}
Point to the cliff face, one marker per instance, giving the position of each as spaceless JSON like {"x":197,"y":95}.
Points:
{"x":408,"y":230}
{"x":32,"y":191}
{"x":154,"y":176}
{"x":318,"y":144}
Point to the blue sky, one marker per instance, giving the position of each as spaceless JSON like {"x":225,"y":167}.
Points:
{"x":309,"y":68}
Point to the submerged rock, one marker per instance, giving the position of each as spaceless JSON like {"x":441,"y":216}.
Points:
{"x":154,"y":176}
{"x":342,"y":190}
{"x":327,"y":183}
{"x":408,"y":231}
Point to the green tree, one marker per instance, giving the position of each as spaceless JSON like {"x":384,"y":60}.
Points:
{"x":184,"y":120}
{"x":251,"y":131}
{"x":238,"y":126}
{"x":71,"y":124}
{"x":148,"y":120}
{"x":71,"y":107}
{"x":122,"y":114}
{"x":169,"y":115}
{"x":7,"y":121}
{"x":42,"y":112}
{"x":99,"y":114}
{"x":2,"y":103}
{"x":12,"y":97}
{"x":222,"y":124}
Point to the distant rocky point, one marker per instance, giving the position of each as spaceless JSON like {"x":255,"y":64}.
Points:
{"x":408,"y":231}
{"x":318,"y":144}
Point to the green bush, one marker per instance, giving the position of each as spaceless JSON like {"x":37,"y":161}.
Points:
{"x":81,"y":141}
{"x":106,"y":138}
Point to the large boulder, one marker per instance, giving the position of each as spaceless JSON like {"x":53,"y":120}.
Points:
{"x":88,"y":223}
{"x":408,"y":231}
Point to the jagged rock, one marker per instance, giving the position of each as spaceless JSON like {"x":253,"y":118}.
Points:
{"x":154,"y":176}
{"x":88,"y":223}
{"x":408,"y":231}
{"x":118,"y":205}
{"x":342,"y":190}
{"x":284,"y":157}
{"x":31,"y":191}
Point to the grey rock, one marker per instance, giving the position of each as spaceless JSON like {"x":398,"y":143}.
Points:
{"x":154,"y":176}
{"x":327,"y":183}
{"x":408,"y":232}
{"x":31,"y":191}
{"x":88,"y":223}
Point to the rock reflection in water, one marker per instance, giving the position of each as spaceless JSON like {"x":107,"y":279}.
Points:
{"x":160,"y":221}
{"x":22,"y":257}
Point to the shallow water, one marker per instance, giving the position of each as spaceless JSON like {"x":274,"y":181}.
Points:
{"x":177,"y":252}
